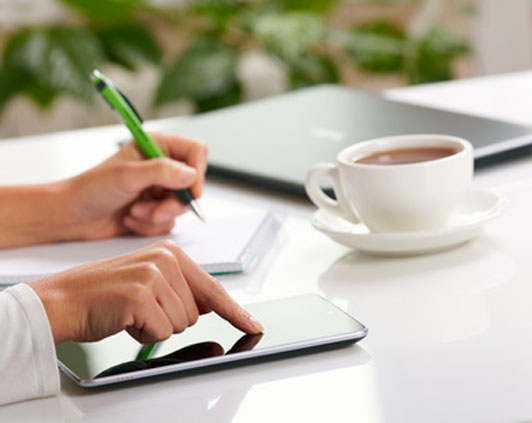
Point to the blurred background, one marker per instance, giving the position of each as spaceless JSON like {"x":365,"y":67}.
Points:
{"x":176,"y":57}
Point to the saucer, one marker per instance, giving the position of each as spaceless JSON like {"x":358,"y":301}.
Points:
{"x":477,"y":208}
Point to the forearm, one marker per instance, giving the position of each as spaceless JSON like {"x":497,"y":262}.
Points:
{"x":33,"y":214}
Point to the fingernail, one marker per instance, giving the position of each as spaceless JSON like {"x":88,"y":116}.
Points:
{"x":162,"y":217}
{"x":188,"y":174}
{"x":256,"y":324}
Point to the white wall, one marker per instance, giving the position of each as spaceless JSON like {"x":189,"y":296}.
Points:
{"x":502,"y":36}
{"x":24,"y":12}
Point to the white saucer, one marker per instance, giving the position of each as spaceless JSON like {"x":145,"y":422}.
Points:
{"x":478,"y":207}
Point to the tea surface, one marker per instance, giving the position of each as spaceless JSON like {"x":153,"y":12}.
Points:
{"x":406,"y":156}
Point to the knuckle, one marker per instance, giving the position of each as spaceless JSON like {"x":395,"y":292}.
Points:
{"x":137,"y":292}
{"x":166,"y":245}
{"x":163,"y":167}
{"x":147,"y":272}
{"x":171,"y":247}
{"x":163,"y":255}
{"x":159,"y":162}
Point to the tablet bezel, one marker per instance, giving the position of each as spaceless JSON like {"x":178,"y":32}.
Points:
{"x":226,"y":360}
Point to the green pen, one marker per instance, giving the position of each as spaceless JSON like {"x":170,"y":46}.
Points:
{"x":146,"y":350}
{"x":127,"y":112}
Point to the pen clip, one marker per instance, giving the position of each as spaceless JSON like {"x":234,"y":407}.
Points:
{"x":130,"y":104}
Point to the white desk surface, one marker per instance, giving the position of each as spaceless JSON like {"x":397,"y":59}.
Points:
{"x":450,"y":335}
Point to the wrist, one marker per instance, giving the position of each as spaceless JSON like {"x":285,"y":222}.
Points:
{"x":33,"y":214}
{"x":65,"y":219}
{"x":54,"y":303}
{"x":56,"y":222}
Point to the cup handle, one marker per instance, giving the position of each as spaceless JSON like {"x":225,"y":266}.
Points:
{"x":338,"y":207}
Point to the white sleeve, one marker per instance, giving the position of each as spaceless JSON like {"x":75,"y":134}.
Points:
{"x":28,"y":367}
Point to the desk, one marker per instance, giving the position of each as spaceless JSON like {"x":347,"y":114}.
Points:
{"x":450,"y":334}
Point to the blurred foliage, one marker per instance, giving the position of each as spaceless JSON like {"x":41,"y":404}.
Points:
{"x":377,"y":46}
{"x":45,"y":62}
{"x":205,"y":72}
{"x":433,"y":56}
{"x":129,"y":44}
{"x":382,"y":46}
{"x":107,"y":10}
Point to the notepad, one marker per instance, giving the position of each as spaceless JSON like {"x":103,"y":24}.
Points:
{"x":230,"y":243}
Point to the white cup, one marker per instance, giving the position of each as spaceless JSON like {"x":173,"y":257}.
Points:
{"x":398,"y":197}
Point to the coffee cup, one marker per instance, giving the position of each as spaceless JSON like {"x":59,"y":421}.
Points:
{"x":396,"y":184}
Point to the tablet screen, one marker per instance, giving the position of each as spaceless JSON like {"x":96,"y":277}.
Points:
{"x":290,"y":322}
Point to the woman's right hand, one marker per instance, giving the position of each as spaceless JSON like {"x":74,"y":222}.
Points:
{"x":152,"y":293}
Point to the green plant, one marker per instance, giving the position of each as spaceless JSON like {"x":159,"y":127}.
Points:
{"x":45,"y":62}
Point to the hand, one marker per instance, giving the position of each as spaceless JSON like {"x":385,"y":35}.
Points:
{"x":152,"y":293}
{"x":128,"y":193}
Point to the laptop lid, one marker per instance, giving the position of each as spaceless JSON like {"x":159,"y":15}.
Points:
{"x":276,"y":141}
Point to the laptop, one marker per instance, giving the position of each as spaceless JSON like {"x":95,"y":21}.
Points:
{"x":275,"y":141}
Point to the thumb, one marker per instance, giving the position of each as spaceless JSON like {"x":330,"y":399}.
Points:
{"x":161,"y":171}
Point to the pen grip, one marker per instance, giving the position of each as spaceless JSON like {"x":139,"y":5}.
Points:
{"x":184,"y":195}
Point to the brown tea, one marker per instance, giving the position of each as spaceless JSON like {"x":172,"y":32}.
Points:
{"x":406,"y":155}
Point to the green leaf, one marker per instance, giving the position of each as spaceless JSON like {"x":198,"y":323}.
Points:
{"x":41,"y":94}
{"x":377,"y":46}
{"x":307,"y":5}
{"x":129,"y":44}
{"x":311,"y":70}
{"x":59,"y":58}
{"x":203,"y":73}
{"x":232,"y":95}
{"x":434,"y":55}
{"x":106,"y":10}
{"x":216,"y":8}
{"x":443,"y":42}
{"x":386,"y":2}
{"x":289,"y":35}
{"x":383,"y":28}
{"x":11,"y":82}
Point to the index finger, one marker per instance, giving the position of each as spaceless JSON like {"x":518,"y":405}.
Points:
{"x":216,"y":297}
{"x":192,"y":152}
{"x":209,"y":291}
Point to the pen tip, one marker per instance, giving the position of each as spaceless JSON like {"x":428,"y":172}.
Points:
{"x":195,"y":207}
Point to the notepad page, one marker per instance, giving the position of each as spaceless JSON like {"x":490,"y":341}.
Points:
{"x":217,"y":246}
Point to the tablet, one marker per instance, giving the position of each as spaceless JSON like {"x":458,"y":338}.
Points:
{"x":293,"y":325}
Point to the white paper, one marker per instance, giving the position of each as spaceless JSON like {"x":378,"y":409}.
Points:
{"x":218,"y":246}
